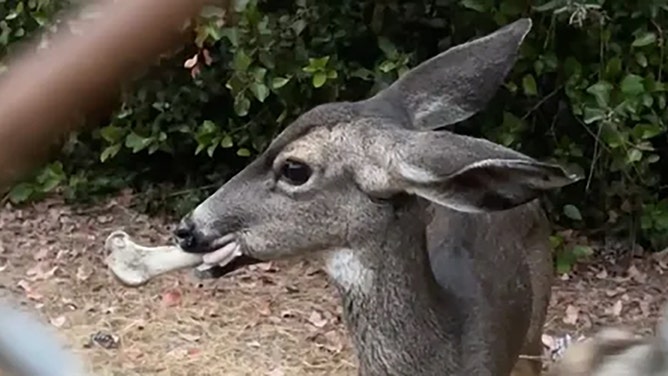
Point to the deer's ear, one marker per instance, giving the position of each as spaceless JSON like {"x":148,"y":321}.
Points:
{"x":463,"y":173}
{"x":457,"y":83}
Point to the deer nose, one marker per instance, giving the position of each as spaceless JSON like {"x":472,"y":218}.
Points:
{"x":186,"y":234}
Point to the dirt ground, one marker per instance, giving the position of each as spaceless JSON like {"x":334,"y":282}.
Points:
{"x":271,"y":319}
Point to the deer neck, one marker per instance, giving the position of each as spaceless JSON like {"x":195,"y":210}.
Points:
{"x":400,"y":320}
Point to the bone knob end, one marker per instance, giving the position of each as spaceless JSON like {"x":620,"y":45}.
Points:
{"x":125,"y":260}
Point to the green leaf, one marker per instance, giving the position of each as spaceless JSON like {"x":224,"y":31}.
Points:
{"x":208,"y":126}
{"x":632,"y":85}
{"x":319,"y":79}
{"x":641,"y":59}
{"x":112,"y":134}
{"x":259,"y":73}
{"x":593,"y":114}
{"x":319,"y":63}
{"x":613,"y":68}
{"x":550,"y":5}
{"x":387,"y":66}
{"x":556,"y":241}
{"x":644,"y":131}
{"x":21,"y":193}
{"x":512,"y":123}
{"x":564,"y":263}
{"x":243,"y":152}
{"x":241,"y":104}
{"x":109,"y":152}
{"x":199,"y":148}
{"x":135,"y":142}
{"x":241,"y":61}
{"x":240,"y":5}
{"x":644,"y":39}
{"x":232,"y":34}
{"x":529,"y":85}
{"x":582,"y":251}
{"x":260,"y":91}
{"x":634,"y":155}
{"x":572,"y":212}
{"x":601,"y":90}
{"x":477,"y":5}
{"x":387,"y":47}
{"x":279,"y":82}
{"x":211,"y":149}
{"x":226,"y":142}
{"x":214,"y":32}
{"x":298,"y":26}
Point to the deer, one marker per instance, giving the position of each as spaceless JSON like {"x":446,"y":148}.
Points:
{"x":616,"y":351}
{"x":436,"y":242}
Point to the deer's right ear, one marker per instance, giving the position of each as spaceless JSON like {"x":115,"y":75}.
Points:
{"x":457,"y":83}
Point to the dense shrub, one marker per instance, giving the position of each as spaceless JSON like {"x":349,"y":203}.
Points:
{"x":588,"y":91}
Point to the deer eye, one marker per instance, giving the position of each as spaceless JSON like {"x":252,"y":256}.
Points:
{"x":295,"y":173}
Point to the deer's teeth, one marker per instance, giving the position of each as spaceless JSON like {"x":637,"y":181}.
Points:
{"x":223,"y":255}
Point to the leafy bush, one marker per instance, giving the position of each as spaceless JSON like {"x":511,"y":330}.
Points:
{"x":588,"y":91}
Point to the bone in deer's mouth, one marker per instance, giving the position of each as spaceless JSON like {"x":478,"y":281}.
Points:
{"x":222,"y":256}
{"x":134,"y":264}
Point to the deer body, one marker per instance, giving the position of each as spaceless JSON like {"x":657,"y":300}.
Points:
{"x":434,"y":240}
{"x":443,"y":314}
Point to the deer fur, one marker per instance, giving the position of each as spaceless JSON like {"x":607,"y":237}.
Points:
{"x":435,"y":241}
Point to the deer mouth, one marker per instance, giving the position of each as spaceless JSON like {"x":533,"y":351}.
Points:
{"x":225,"y":258}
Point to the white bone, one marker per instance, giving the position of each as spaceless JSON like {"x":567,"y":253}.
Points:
{"x":134,"y":265}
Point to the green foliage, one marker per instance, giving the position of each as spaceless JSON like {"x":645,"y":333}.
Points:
{"x":588,"y":91}
{"x":568,"y":254}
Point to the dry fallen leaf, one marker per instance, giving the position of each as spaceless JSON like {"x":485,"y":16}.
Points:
{"x":195,"y":71}
{"x":30,"y":293}
{"x":171,"y":298}
{"x":267,"y":267}
{"x":41,"y":254}
{"x":548,"y":341}
{"x":265,"y":308}
{"x":636,"y":274}
{"x":254,"y":344}
{"x":617,"y":308}
{"x":335,"y":340}
{"x":58,"y":322}
{"x":37,"y":273}
{"x":190,"y":63}
{"x":317,"y":320}
{"x":207,"y":57}
{"x":572,"y":313}
{"x":276,"y":372}
{"x":83,"y":273}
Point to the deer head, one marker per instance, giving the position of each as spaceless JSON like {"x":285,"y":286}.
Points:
{"x":330,"y":179}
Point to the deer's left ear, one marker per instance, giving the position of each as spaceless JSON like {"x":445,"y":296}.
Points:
{"x":457,"y":83}
{"x":464,"y":173}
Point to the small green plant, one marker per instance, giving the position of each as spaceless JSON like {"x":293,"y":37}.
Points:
{"x":567,"y":254}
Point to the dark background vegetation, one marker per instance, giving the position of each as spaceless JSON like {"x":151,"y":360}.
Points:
{"x":588,"y":91}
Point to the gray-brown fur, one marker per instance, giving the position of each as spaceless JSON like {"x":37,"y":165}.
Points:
{"x":617,"y":352}
{"x":435,"y":240}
